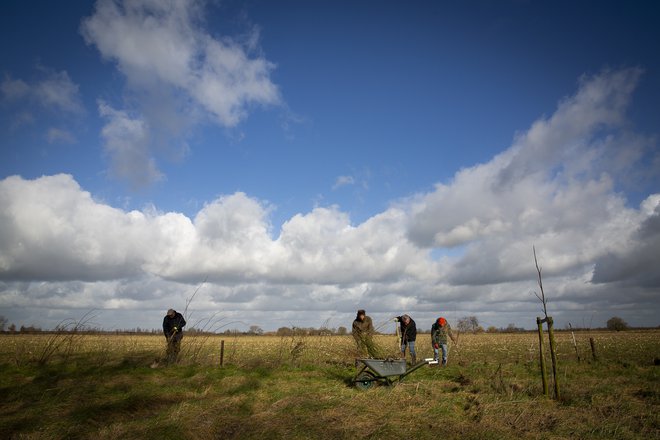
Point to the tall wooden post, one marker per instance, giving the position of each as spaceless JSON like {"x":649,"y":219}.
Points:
{"x":544,"y":375}
{"x":553,"y":355}
{"x":222,"y":351}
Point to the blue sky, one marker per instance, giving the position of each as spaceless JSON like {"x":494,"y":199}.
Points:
{"x":311,"y":158}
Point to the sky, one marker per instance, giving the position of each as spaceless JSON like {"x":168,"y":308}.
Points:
{"x":285,"y":163}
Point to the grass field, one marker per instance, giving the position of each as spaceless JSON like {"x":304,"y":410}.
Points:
{"x":113,"y":387}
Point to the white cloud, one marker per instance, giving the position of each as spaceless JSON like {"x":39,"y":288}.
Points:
{"x":343,"y":181}
{"x":165,"y":42}
{"x":553,"y":187}
{"x":127,"y":143}
{"x":635,"y":261}
{"x":228,"y":240}
{"x":177,"y":72}
{"x":53,"y":230}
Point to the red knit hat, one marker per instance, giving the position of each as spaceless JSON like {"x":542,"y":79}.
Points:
{"x":442,"y":321}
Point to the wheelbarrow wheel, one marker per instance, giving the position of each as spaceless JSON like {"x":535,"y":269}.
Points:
{"x":365,"y":380}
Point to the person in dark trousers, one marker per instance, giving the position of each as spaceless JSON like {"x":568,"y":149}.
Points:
{"x":440,"y":331}
{"x":173,"y":324}
{"x":363,"y":330}
{"x":408,"y":336}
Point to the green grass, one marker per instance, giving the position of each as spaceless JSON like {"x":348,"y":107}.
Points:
{"x":491,"y":390}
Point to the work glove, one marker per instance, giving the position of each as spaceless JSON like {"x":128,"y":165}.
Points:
{"x":436,"y":345}
{"x":175,"y":329}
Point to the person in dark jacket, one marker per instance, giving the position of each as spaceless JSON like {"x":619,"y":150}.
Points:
{"x":440,"y":331}
{"x":408,"y":336}
{"x":173,"y":324}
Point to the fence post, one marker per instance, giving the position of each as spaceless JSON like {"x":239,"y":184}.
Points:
{"x":577,"y":353}
{"x":544,"y":377}
{"x":222,"y":351}
{"x":553,"y":355}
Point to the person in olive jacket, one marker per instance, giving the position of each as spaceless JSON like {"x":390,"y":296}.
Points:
{"x":173,"y":324}
{"x":440,"y":330}
{"x":408,"y":336}
{"x":363,"y":330}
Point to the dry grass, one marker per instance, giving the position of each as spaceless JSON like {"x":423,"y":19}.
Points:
{"x":299,"y":387}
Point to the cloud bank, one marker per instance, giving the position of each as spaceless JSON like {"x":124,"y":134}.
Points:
{"x":463,"y":247}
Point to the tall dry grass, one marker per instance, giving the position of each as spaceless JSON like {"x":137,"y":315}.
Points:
{"x":634,"y":347}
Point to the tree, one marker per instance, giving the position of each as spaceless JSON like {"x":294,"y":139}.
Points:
{"x":617,"y":324}
{"x":284,"y":331}
{"x":3,"y":323}
{"x":256,"y":330}
{"x":468,"y":324}
{"x":463,"y":324}
{"x":342,"y":330}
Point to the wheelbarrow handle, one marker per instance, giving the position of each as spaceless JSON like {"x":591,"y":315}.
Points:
{"x":417,"y":366}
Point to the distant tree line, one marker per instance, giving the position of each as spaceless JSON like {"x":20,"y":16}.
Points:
{"x":466,"y":324}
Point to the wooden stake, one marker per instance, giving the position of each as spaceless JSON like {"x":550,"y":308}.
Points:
{"x":544,"y":375}
{"x":574,"y":342}
{"x":553,"y":355}
{"x":222,"y":352}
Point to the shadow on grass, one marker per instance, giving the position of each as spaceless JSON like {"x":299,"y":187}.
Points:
{"x":344,"y":375}
{"x":16,"y":421}
{"x":117,"y":408}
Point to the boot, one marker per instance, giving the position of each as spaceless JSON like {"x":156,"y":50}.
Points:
{"x":413,"y":359}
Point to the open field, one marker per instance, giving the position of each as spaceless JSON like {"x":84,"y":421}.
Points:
{"x":109,"y":386}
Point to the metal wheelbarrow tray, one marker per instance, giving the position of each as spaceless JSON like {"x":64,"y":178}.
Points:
{"x":384,"y":371}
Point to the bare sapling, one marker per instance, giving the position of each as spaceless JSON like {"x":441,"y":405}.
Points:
{"x":63,"y":340}
{"x":550,"y":324}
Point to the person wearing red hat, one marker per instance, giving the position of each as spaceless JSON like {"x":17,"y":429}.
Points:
{"x":440,"y":331}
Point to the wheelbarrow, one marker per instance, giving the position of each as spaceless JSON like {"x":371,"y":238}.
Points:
{"x":384,"y":371}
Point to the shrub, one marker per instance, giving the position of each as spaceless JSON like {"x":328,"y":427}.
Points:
{"x":616,"y":323}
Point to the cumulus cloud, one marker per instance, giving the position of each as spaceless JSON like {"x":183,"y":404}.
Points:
{"x":177,"y":72}
{"x":555,"y":187}
{"x":55,"y":234}
{"x":635,"y":262}
{"x":229,"y":240}
{"x":53,"y":230}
